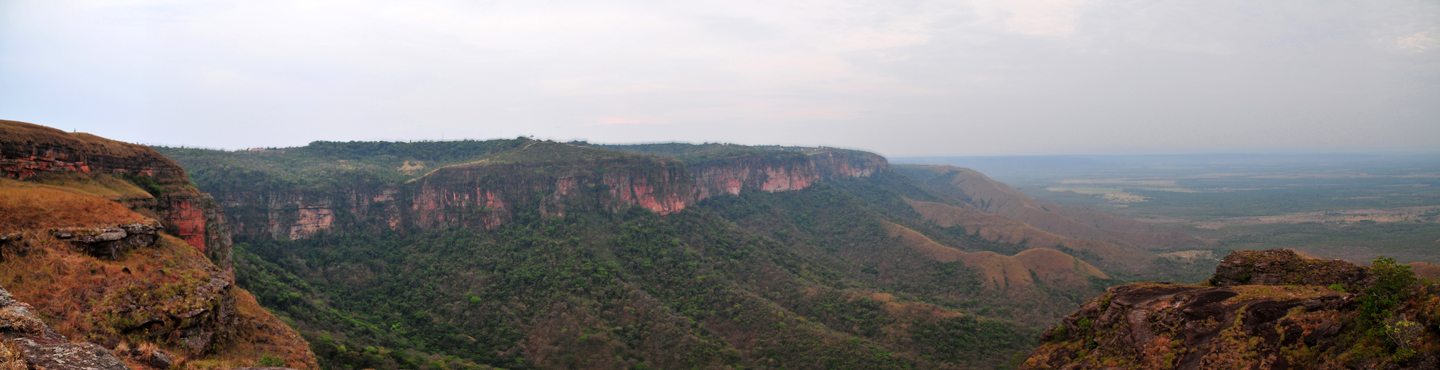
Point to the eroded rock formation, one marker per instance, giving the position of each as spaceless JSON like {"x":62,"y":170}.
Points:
{"x":109,"y":242}
{"x":1266,"y":310}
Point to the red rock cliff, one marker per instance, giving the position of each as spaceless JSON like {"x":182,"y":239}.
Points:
{"x":542,"y":179}
{"x":29,"y":150}
{"x":486,"y":194}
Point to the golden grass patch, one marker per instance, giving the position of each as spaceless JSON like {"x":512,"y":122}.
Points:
{"x":43,"y":207}
{"x":77,"y":295}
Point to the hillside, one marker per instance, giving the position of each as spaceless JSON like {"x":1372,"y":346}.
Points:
{"x":541,"y":243}
{"x":108,"y":243}
{"x":975,"y":190}
{"x":1262,"y":309}
{"x":999,"y":271}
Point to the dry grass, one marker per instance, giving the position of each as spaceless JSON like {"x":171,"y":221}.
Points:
{"x":269,"y":336}
{"x":1425,"y":269}
{"x":16,"y":134}
{"x":11,"y":357}
{"x":94,"y":184}
{"x":77,"y":295}
{"x":1003,"y":229}
{"x":1057,"y":267}
{"x":46,"y":207}
{"x":999,"y":271}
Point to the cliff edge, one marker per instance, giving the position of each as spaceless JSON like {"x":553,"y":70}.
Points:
{"x":1262,"y":310}
{"x":112,"y":248}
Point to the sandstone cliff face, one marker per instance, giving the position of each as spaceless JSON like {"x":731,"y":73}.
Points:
{"x":29,"y":150}
{"x":540,"y":179}
{"x":772,"y":173}
{"x":1262,"y":310}
{"x":485,"y":195}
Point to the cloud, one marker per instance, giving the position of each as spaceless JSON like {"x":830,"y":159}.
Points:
{"x":1418,"y":42}
{"x":900,"y":77}
{"x":620,"y":121}
{"x":1035,"y":17}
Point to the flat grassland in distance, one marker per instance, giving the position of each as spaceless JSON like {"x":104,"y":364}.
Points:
{"x":1343,"y":206}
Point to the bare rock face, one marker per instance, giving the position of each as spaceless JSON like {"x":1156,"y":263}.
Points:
{"x":27,"y":343}
{"x":1285,"y":267}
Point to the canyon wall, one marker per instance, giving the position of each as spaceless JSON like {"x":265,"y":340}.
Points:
{"x":551,"y":180}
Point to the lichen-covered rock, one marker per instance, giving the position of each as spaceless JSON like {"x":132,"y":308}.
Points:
{"x":110,"y":242}
{"x":27,"y":343}
{"x":1293,"y":321}
{"x":1285,"y":267}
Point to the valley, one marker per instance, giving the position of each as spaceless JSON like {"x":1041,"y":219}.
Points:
{"x":522,"y":253}
{"x":1355,"y":207}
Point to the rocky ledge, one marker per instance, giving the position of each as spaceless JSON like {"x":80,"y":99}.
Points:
{"x":110,"y":242}
{"x":1262,"y":310}
{"x":27,"y":343}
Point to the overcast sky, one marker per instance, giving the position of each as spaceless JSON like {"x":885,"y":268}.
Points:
{"x":901,"y":78}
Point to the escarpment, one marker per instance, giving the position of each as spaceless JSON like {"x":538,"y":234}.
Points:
{"x":109,"y":244}
{"x":134,"y":175}
{"x":1262,"y":310}
{"x":508,"y":179}
{"x":490,"y":192}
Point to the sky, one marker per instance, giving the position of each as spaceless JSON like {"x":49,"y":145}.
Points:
{"x":897,"y":77}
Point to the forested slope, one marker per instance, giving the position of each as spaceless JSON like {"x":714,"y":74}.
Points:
{"x":574,"y":255}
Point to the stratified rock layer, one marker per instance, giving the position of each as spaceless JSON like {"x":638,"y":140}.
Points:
{"x":537,"y":179}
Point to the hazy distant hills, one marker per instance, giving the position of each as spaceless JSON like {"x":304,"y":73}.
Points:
{"x":976,"y":190}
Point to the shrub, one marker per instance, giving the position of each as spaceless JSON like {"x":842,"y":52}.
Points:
{"x":1392,"y":286}
{"x":269,"y":360}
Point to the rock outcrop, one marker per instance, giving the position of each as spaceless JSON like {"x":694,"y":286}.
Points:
{"x":110,"y":242}
{"x":33,"y":152}
{"x":1266,"y":310}
{"x":27,"y":343}
{"x":1285,"y":267}
{"x":112,"y":245}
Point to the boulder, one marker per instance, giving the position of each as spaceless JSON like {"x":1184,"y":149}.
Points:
{"x":26,"y":342}
{"x":1285,"y":267}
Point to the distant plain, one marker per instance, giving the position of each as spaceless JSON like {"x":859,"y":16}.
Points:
{"x":1348,"y":206}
